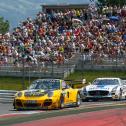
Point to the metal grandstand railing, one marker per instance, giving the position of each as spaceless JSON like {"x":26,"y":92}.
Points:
{"x":102,"y":60}
{"x":88,"y":62}
{"x":47,"y":70}
{"x":62,"y":70}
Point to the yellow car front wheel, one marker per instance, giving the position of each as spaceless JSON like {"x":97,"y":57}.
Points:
{"x":61,"y":102}
{"x":78,"y":100}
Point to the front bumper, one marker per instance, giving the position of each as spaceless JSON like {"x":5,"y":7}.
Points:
{"x":49,"y":103}
{"x":109,"y":96}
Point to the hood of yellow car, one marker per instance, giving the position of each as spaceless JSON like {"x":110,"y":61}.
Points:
{"x":36,"y":92}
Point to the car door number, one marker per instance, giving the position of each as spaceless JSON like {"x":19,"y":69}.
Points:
{"x":65,"y":94}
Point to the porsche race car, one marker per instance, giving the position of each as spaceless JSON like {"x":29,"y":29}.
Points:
{"x":47,"y":94}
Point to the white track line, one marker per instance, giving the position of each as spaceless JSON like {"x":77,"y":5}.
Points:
{"x":21,"y":113}
{"x":82,"y":106}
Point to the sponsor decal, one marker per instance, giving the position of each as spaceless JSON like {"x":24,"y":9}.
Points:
{"x":31,"y":101}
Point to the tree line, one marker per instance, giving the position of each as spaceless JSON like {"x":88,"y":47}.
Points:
{"x":4,"y":25}
{"x":112,"y":2}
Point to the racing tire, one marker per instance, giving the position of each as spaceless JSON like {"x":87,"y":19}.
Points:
{"x":78,"y":100}
{"x":14,"y":104}
{"x":61,"y":102}
{"x":120,"y":96}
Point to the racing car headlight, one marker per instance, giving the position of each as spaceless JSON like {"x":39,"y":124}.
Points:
{"x":19,"y":94}
{"x":114,"y":89}
{"x":50,"y":94}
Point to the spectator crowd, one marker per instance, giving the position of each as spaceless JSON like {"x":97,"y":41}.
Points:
{"x":56,"y":36}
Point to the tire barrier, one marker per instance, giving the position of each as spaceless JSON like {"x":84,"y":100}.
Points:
{"x":7,"y":96}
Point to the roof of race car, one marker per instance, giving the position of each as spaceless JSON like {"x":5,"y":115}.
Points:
{"x":102,"y":78}
{"x":47,"y":80}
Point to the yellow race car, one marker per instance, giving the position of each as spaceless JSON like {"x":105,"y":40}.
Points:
{"x":47,"y":94}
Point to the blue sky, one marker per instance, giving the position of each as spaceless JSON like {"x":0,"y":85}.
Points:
{"x":18,"y":10}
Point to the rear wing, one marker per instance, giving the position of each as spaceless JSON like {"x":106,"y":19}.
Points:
{"x":75,"y":83}
{"x":124,"y":82}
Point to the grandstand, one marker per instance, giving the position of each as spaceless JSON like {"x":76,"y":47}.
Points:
{"x":63,"y":38}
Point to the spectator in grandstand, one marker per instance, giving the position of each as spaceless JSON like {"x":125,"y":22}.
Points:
{"x":56,"y":36}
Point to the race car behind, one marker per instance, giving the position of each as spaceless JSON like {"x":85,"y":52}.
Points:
{"x":102,"y":88}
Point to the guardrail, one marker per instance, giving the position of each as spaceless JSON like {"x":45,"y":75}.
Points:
{"x":7,"y":96}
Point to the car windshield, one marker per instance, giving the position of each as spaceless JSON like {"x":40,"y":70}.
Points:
{"x":45,"y":84}
{"x":106,"y":82}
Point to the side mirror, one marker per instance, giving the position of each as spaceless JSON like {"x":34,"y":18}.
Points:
{"x":63,"y":88}
{"x":66,"y":87}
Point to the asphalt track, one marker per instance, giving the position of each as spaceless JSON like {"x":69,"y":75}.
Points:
{"x":7,"y":112}
{"x":116,"y":117}
{"x":7,"y":108}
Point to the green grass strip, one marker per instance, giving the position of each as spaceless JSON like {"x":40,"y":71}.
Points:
{"x":16,"y":83}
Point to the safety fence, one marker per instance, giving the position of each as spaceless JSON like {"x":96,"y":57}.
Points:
{"x":90,"y":62}
{"x":41,"y":70}
{"x":78,"y":62}
{"x":7,"y":96}
{"x":38,"y":71}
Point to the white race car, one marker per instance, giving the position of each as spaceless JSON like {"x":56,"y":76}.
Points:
{"x":101,"y":88}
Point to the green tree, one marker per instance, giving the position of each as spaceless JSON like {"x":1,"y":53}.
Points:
{"x":112,"y":2}
{"x":4,"y":25}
